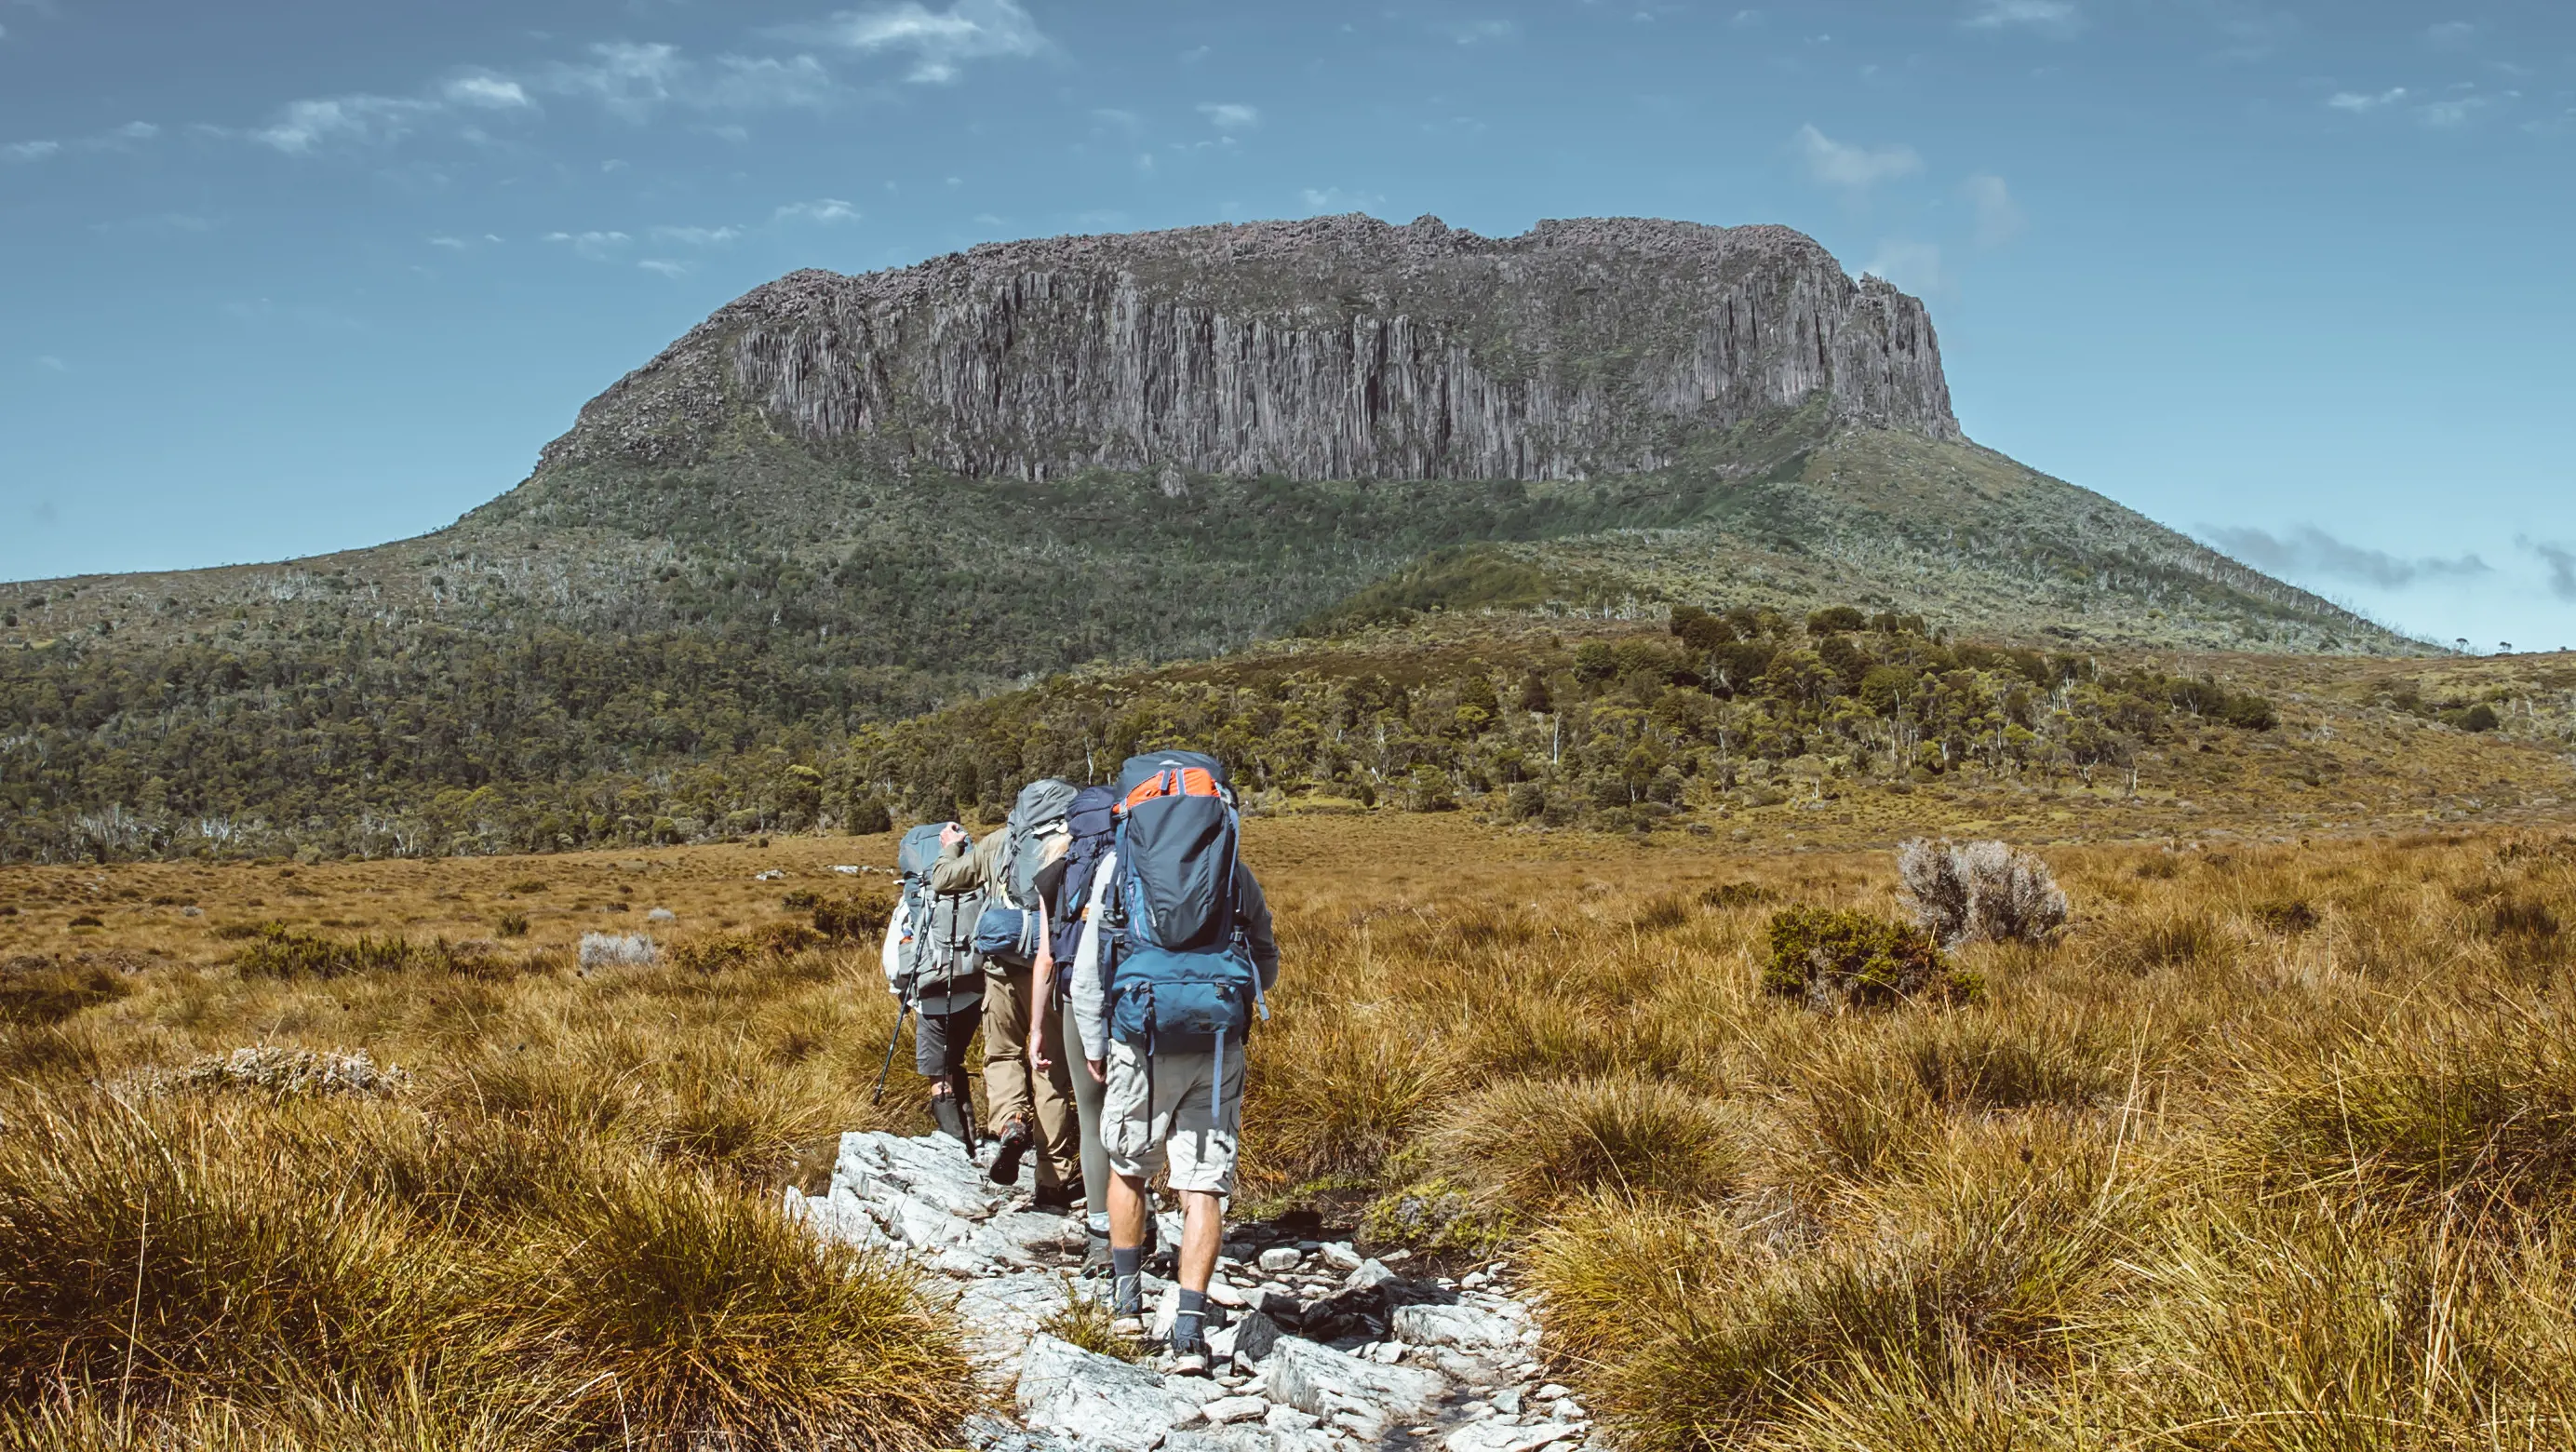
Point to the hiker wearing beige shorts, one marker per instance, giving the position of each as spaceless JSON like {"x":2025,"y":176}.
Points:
{"x":1167,"y":1116}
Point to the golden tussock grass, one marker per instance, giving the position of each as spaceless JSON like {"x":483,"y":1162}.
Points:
{"x":563,"y":1233}
{"x":2275,"y":1149}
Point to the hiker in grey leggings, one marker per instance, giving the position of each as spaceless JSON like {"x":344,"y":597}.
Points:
{"x":1044,"y":1049}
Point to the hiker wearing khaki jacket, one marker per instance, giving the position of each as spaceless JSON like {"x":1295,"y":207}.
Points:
{"x":1029,"y":1108}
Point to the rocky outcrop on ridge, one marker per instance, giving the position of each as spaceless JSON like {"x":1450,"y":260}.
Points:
{"x":1321,"y":1349}
{"x":1333,"y":348}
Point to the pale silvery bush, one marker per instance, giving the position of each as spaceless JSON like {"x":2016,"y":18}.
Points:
{"x":1980,"y":892}
{"x":618,"y":950}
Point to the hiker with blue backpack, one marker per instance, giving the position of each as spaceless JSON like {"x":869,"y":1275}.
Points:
{"x":1028,"y":1098}
{"x":1175,"y":955}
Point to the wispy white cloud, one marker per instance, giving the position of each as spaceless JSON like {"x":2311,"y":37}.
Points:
{"x":1857,"y":167}
{"x":487,"y":92}
{"x":698,"y":236}
{"x":1485,"y":32}
{"x":664,"y":267}
{"x":116,"y":138}
{"x":1230,"y":115}
{"x":2441,"y":113}
{"x":52,"y":364}
{"x":940,"y":42}
{"x":597,"y":246}
{"x":825,"y":209}
{"x":1999,"y":217}
{"x":2451,"y":34}
{"x":2054,"y":17}
{"x":753,"y":83}
{"x":304,"y":127}
{"x":626,"y":78}
{"x":2311,"y":552}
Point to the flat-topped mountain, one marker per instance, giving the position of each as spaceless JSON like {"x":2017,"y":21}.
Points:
{"x":845,"y":499}
{"x":1337,"y":348}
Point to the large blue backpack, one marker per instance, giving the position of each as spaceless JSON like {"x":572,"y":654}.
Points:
{"x":1182,"y":978}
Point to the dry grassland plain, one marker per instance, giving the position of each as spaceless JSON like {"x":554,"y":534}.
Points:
{"x":2276,"y":1149}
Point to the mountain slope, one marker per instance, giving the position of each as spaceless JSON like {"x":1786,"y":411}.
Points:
{"x":842,"y":500}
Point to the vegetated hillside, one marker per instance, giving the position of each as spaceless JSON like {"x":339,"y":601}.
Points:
{"x":845,"y":500}
{"x":1842,"y":727}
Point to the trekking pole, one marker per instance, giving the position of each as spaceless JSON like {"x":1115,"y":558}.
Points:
{"x":888,"y":1066}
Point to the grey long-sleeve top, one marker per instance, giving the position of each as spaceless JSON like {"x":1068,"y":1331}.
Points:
{"x":1090,"y":991}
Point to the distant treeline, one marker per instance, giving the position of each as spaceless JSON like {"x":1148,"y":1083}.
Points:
{"x":374,"y":746}
{"x":552,"y":740}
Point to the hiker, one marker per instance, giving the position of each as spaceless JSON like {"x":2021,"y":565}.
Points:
{"x":929,"y":960}
{"x":1028,"y":1107}
{"x":1175,"y":956}
{"x":1064,"y":897}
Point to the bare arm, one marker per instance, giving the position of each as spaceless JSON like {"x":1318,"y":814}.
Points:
{"x":1041,"y":987}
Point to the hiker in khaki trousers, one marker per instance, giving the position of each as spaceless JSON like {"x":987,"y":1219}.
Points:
{"x":1028,"y":1108}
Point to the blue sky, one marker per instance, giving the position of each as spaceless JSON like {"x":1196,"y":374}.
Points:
{"x":299,"y":275}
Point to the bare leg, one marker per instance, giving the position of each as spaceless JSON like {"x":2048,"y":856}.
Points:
{"x":1126,"y":1212}
{"x":1202,"y":1235}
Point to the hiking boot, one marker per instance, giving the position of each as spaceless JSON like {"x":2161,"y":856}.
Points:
{"x":1189,"y":1357}
{"x":1095,"y":1259}
{"x":1058,"y":1197}
{"x":951,"y":1121}
{"x":1017,"y":1137}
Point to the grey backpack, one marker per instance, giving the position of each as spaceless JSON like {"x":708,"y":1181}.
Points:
{"x":939,"y":955}
{"x":1037,"y":817}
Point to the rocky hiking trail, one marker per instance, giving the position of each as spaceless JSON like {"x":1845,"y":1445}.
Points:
{"x":1319,"y":1349}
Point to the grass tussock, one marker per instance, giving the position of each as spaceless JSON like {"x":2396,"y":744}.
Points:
{"x":1541,"y":1141}
{"x":1090,"y":1322}
{"x":661,"y":1299}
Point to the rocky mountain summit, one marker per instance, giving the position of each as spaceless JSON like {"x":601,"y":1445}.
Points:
{"x":1333,"y":348}
{"x":1321,"y":1349}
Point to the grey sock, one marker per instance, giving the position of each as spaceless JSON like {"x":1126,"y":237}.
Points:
{"x":1186,"y":1325}
{"x":1127,"y":1294}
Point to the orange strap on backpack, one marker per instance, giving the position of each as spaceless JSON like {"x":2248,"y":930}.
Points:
{"x":1189,"y":781}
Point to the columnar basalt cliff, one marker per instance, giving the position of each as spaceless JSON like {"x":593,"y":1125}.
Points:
{"x":1336,"y":348}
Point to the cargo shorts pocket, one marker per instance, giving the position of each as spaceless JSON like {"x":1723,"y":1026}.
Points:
{"x":1126,"y":1113}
